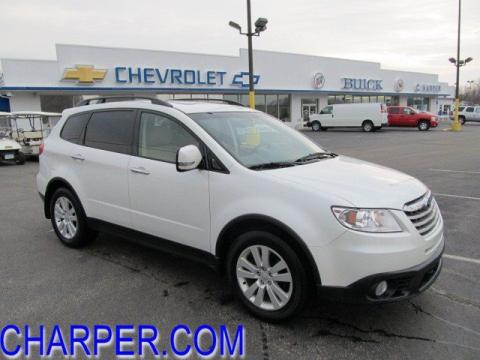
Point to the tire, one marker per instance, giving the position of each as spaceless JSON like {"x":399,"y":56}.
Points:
{"x":423,"y":125}
{"x":20,"y":158}
{"x":367,"y":126}
{"x":293,"y":286}
{"x":64,"y":203}
{"x":316,"y":126}
{"x":462,"y":120}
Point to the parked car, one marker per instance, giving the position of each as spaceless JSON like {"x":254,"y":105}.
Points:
{"x":10,"y":150}
{"x":369,"y":117}
{"x":468,"y":113}
{"x":236,"y":188}
{"x":406,"y":116}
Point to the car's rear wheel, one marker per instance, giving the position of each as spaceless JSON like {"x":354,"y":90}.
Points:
{"x":462,"y":120}
{"x":316,"y":126}
{"x":423,"y":125}
{"x":68,"y":219}
{"x":267,"y":275}
{"x":367,"y":126}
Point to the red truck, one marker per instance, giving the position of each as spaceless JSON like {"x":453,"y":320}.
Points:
{"x":405,"y":116}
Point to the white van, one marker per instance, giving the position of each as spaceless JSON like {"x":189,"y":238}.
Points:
{"x":370,"y":117}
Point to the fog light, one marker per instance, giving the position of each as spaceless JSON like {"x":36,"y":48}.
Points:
{"x":381,"y":287}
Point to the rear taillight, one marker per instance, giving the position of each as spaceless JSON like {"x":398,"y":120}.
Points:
{"x":41,"y":148}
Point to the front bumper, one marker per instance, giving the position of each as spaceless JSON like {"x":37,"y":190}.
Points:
{"x":402,"y":284}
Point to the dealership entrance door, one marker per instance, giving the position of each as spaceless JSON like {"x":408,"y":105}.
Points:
{"x":309,"y":106}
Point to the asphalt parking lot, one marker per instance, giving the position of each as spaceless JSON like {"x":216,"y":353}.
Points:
{"x":116,"y":282}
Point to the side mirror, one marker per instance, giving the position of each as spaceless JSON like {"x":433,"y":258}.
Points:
{"x":188,"y":158}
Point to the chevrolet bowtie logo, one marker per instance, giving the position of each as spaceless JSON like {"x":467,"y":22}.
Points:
{"x":85,"y":74}
{"x":242,"y":79}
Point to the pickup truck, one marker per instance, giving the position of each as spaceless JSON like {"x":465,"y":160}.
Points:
{"x":467,"y":113}
{"x":405,"y":116}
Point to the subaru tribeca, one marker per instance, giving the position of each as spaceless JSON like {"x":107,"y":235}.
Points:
{"x":282,"y":218}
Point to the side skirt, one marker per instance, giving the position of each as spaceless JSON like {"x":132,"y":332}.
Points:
{"x":150,"y":241}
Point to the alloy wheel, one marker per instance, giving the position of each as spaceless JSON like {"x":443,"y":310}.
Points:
{"x":264,"y":277}
{"x":65,"y":217}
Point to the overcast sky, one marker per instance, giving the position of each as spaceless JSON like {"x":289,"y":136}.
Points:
{"x":413,"y":35}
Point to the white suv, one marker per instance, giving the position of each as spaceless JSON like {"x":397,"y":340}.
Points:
{"x":236,"y":188}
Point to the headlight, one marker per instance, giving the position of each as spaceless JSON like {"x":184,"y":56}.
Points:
{"x":367,"y":220}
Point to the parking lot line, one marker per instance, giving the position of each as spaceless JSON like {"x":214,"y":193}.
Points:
{"x":461,"y":258}
{"x":457,"y":171}
{"x":457,"y":196}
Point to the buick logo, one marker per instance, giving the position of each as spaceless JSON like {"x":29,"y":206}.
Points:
{"x":318,"y":80}
{"x":399,"y":85}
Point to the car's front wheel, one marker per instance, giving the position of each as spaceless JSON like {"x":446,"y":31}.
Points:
{"x":423,"y":125}
{"x":267,"y":275}
{"x":68,"y":219}
{"x":316,"y":126}
{"x":20,"y":158}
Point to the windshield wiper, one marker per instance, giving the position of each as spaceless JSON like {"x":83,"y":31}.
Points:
{"x":316,"y":156}
{"x":272,"y":165}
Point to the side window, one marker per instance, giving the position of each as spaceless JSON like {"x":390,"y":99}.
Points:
{"x":469,"y":109}
{"x":477,"y":109}
{"x":111,"y":130}
{"x":406,"y":111}
{"x":393,"y":110}
{"x":327,"y":110}
{"x":73,"y":128}
{"x":161,"y":137}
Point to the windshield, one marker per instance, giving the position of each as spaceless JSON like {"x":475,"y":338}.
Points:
{"x":254,"y":138}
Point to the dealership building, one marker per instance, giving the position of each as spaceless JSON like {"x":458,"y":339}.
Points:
{"x":287,"y":85}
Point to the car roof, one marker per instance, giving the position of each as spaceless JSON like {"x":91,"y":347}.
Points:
{"x":187,"y":107}
{"x":191,"y":107}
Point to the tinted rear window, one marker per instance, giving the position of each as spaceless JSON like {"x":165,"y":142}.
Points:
{"x":111,"y":131}
{"x":469,"y":109}
{"x":393,"y":110}
{"x":73,"y":128}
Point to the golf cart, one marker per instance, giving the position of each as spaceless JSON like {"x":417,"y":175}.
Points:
{"x":10,"y":150}
{"x":29,"y":128}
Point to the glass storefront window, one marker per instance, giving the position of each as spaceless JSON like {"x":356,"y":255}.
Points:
{"x":272,"y":105}
{"x":381,"y":99}
{"x":284,"y":107}
{"x":331,"y":99}
{"x":348,"y":99}
{"x":365,"y":99}
{"x":260,"y":102}
{"x":357,"y":99}
{"x":421,"y":103}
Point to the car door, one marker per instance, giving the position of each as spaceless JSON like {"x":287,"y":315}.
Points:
{"x":394,"y":116}
{"x":164,"y":202}
{"x":327,"y":116}
{"x":469,"y":113}
{"x":102,"y":162}
{"x":477,"y":114}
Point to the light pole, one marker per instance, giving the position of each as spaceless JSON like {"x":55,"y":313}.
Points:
{"x":458,"y":63}
{"x":260,"y":25}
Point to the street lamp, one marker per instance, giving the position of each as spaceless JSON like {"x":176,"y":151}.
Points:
{"x":458,"y":63}
{"x":260,"y":26}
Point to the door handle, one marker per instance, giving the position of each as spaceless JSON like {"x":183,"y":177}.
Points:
{"x":78,"y":157}
{"x":140,"y":170}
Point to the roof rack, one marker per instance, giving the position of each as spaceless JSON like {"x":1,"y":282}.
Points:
{"x":108,"y":99}
{"x":229,"y":102}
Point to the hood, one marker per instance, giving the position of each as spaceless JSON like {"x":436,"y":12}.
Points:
{"x":9,"y":144}
{"x":357,"y":182}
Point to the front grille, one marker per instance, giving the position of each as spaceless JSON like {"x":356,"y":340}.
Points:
{"x":423,"y":213}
